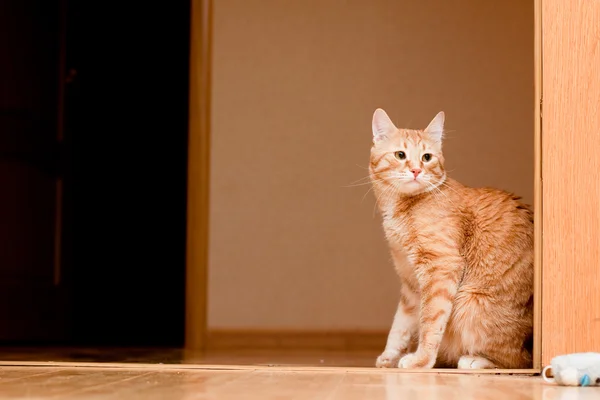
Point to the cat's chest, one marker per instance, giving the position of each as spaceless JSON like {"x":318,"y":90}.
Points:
{"x":414,"y":228}
{"x":398,"y":228}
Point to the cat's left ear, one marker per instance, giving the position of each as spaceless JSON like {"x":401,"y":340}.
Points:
{"x":435,"y":129}
{"x":382,"y":125}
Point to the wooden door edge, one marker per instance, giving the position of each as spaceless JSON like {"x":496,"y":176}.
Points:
{"x":196,"y":285}
{"x":538,"y":198}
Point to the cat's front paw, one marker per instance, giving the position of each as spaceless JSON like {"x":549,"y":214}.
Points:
{"x":416,"y":360}
{"x":388,"y":359}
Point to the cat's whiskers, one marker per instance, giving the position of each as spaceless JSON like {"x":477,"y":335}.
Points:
{"x":431,"y":189}
{"x":446,"y":185}
{"x":368,"y":178}
{"x":373,"y":182}
{"x":368,"y":191}
{"x":365,"y":183}
{"x":361,"y":180}
{"x":444,"y":194}
{"x":365,"y":195}
{"x":382,"y":193}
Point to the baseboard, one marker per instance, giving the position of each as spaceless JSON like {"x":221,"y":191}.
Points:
{"x":287,"y":339}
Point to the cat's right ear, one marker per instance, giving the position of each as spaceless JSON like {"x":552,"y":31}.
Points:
{"x":382,"y":125}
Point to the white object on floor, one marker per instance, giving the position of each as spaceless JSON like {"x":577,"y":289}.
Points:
{"x":577,"y":369}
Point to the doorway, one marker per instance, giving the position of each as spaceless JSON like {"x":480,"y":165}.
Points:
{"x":294,"y":87}
{"x":280,"y":254}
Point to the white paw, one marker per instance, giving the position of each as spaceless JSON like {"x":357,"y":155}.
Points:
{"x":416,"y":360}
{"x":473,"y":362}
{"x":388,"y":359}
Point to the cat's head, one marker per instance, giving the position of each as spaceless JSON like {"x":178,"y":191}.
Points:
{"x":409,"y":160}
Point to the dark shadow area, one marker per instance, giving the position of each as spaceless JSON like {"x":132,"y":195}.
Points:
{"x":95,"y":97}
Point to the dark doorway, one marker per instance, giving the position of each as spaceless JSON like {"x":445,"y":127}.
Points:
{"x":110,"y":123}
{"x":31,"y":296}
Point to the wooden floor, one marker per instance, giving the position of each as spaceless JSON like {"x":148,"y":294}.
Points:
{"x":305,"y":374}
{"x":240,"y":357}
{"x":130,"y":384}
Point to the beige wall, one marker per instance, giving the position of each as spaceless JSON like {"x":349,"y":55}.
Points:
{"x":295,"y":84}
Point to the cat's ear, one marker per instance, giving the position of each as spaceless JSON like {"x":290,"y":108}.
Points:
{"x":382,"y":125}
{"x":435,"y":129}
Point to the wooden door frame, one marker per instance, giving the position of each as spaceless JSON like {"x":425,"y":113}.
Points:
{"x":196,"y":281}
{"x":570,"y":124}
{"x":537,"y":188}
{"x":199,"y":175}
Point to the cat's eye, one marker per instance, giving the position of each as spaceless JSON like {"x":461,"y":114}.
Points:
{"x":400,"y":155}
{"x":426,"y":157}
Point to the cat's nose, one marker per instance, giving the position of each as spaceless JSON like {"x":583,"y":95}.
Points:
{"x":416,"y":172}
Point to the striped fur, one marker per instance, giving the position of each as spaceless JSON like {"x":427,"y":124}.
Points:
{"x":464,"y":257}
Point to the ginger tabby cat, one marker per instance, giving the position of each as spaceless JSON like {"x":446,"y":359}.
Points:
{"x":464,"y":257}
